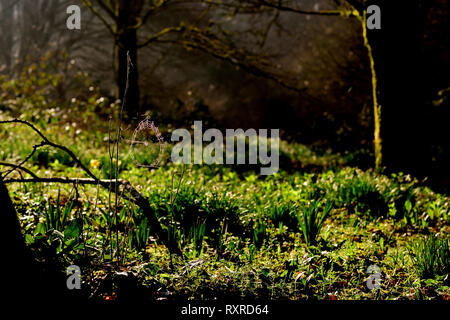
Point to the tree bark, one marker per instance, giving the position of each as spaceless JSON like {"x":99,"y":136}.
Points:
{"x":398,"y":65}
{"x":127,"y":43}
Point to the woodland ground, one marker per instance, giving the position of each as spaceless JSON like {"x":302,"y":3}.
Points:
{"x":240,"y":234}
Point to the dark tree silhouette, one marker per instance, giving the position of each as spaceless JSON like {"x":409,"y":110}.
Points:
{"x":15,"y":251}
{"x":123,"y":18}
{"x":403,"y":82}
{"x":20,"y":275}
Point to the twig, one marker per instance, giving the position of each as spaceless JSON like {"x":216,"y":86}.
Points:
{"x":81,"y":181}
{"x":129,"y":66}
{"x":172,"y":200}
{"x":134,"y":196}
{"x":110,"y":153}
{"x":47,"y":142}
{"x":18,"y":166}
{"x":14,"y":167}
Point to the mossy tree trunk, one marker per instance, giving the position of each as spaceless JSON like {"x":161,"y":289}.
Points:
{"x":398,"y":65}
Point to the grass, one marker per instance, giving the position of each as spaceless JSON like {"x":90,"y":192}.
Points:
{"x":431,"y":256}
{"x":362,"y":195}
{"x":240,"y":234}
{"x":311,"y":220}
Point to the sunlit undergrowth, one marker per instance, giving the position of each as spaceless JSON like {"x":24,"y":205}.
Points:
{"x":240,"y":233}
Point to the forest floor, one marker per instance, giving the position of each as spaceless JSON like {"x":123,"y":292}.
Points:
{"x":317,"y":229}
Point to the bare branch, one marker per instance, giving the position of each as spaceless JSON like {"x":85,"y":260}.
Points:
{"x":256,"y":5}
{"x":107,"y":9}
{"x":89,"y":5}
{"x":51,"y":144}
{"x":18,"y":166}
{"x":135,"y":196}
{"x":35,"y":147}
{"x":158,"y":35}
{"x":195,"y":38}
{"x":150,"y":11}
{"x":80,"y":181}
{"x":278,"y":6}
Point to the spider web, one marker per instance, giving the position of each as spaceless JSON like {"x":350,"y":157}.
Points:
{"x":146,"y":124}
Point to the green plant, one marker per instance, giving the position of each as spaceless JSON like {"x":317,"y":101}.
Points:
{"x":436,"y":210}
{"x":219,"y":213}
{"x":197,"y":234}
{"x":363,"y":196}
{"x":138,"y":236}
{"x":311,"y":220}
{"x":259,"y":233}
{"x":431,"y":256}
{"x":281,"y":213}
{"x":405,"y":207}
{"x":252,"y":250}
{"x":55,"y":218}
{"x":58,"y":231}
{"x":108,"y":167}
{"x":225,"y":217}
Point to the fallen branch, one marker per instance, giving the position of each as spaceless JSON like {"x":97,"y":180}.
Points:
{"x":80,"y":181}
{"x":109,"y":184}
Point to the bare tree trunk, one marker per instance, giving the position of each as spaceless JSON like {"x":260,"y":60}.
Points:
{"x":127,"y":43}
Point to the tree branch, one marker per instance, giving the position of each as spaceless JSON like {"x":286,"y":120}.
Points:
{"x":257,"y":4}
{"x":301,"y":11}
{"x":203,"y":40}
{"x":18,"y":166}
{"x":151,"y":11}
{"x":88,"y":4}
{"x":80,"y":181}
{"x":35,"y":147}
{"x":107,"y":9}
{"x":135,"y":196}
{"x":158,"y":35}
{"x":51,"y":144}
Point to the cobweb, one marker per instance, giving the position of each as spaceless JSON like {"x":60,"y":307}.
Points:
{"x":147,"y":145}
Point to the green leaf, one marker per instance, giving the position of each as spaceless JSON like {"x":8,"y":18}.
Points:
{"x":66,"y":212}
{"x":151,"y":268}
{"x":29,"y":238}
{"x":58,"y":211}
{"x":265,"y":272}
{"x":408,"y":206}
{"x":73,"y":230}
{"x":40,"y":229}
